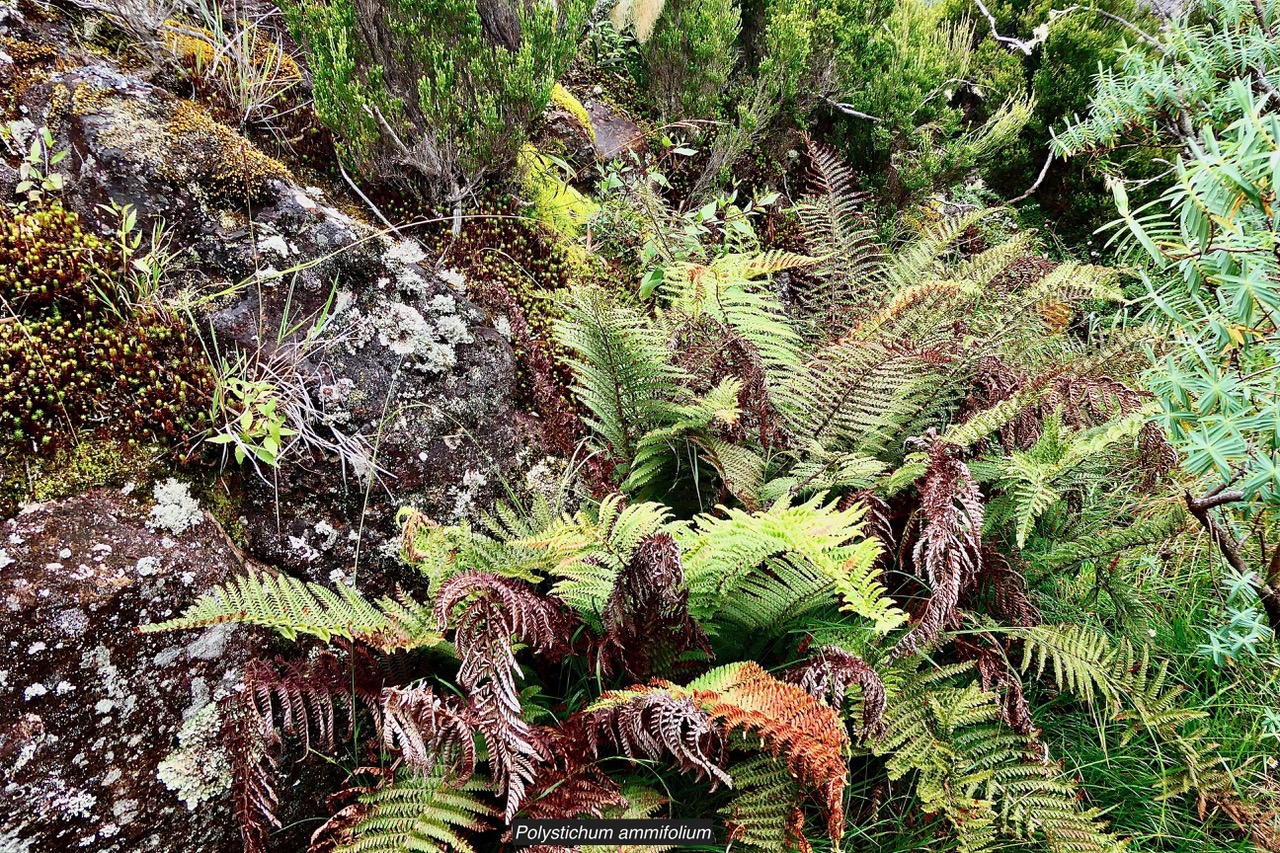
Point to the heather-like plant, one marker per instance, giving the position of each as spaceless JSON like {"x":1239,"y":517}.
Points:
{"x":444,"y":88}
{"x":689,"y":57}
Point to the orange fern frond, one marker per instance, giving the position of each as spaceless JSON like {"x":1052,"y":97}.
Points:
{"x":793,"y":726}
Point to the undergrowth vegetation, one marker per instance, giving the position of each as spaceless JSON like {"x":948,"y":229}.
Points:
{"x":891,"y":509}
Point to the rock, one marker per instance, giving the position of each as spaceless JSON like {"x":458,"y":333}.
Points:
{"x":615,"y":133}
{"x":566,"y":130}
{"x":99,"y":724}
{"x":382,"y":352}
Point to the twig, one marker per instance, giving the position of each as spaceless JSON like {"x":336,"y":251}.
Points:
{"x":1008,"y":41}
{"x":1044,"y":170}
{"x":848,"y":110}
{"x":369,"y":202}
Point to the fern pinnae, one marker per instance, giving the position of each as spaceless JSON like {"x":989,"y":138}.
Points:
{"x":292,"y":607}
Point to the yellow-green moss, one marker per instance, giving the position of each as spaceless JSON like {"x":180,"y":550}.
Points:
{"x":222,"y":161}
{"x":88,"y":465}
{"x":565,"y":100}
{"x":553,"y":202}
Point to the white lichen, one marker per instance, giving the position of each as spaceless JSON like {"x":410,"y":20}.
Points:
{"x":199,"y":770}
{"x":404,"y":331}
{"x":452,"y":277}
{"x":175,"y":510}
{"x":275,"y":243}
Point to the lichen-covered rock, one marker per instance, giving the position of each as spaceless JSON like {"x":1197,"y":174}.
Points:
{"x":103,"y":730}
{"x":408,"y":372}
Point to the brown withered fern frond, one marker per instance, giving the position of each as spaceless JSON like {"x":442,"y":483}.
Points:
{"x":647,"y":626}
{"x":1001,"y":591}
{"x":573,"y":788}
{"x":829,"y":673}
{"x":877,"y":522}
{"x":250,"y":744}
{"x":424,"y":728}
{"x":661,"y":722}
{"x":314,"y":701}
{"x":793,"y":726}
{"x":949,"y":550}
{"x":488,"y":613}
{"x":990,"y":657}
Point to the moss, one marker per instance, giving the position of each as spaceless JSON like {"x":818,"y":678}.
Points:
{"x":90,"y":464}
{"x":565,"y":100}
{"x":553,"y":202}
{"x":81,"y":350}
{"x":226,"y":164}
{"x":26,"y":53}
{"x":225,"y":509}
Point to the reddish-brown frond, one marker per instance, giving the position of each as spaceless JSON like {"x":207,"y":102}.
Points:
{"x":829,"y":673}
{"x":573,"y":789}
{"x":426,"y":728}
{"x":661,"y":723}
{"x":949,"y":550}
{"x":647,"y":626}
{"x":793,"y":726}
{"x":488,"y":612}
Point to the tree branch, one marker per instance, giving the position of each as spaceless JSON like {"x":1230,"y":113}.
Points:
{"x":1008,"y":41}
{"x":1226,"y":543}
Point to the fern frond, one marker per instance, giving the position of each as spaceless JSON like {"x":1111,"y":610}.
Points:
{"x":292,"y":607}
{"x":754,"y":570}
{"x":760,"y":816}
{"x":854,"y":397}
{"x":1099,"y":671}
{"x":622,"y":368}
{"x":420,"y":813}
{"x":980,"y":774}
{"x":725,"y":292}
{"x":918,"y":261}
{"x":852,"y":268}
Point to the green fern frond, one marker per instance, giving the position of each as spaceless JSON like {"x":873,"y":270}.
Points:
{"x":918,"y":261}
{"x":852,"y":267}
{"x":757,"y":817}
{"x":854,"y":397}
{"x":725,"y":291}
{"x":980,"y":774}
{"x":622,"y":368}
{"x":752,"y":571}
{"x":586,"y":552}
{"x":421,"y":814}
{"x":1099,"y":671}
{"x":292,"y":607}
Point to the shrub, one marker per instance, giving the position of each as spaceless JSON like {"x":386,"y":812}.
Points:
{"x":688,"y":60}
{"x":925,"y":106}
{"x":433,"y":85}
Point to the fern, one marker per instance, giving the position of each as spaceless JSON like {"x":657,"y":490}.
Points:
{"x":852,"y":265}
{"x":754,"y":571}
{"x":420,"y":813}
{"x":763,"y":814}
{"x":622,"y":367}
{"x":1099,"y":671}
{"x":292,"y":607}
{"x":854,"y":397}
{"x":979,"y":773}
